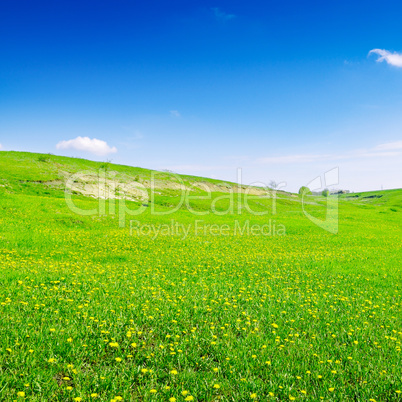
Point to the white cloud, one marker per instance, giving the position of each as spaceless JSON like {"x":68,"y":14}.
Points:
{"x":221,"y":15}
{"x":395,"y":59}
{"x":383,"y":150}
{"x":92,"y":145}
{"x":389,"y":146}
{"x":175,"y":113}
{"x":1,"y":146}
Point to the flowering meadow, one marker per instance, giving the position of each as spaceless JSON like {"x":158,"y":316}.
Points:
{"x":91,"y":311}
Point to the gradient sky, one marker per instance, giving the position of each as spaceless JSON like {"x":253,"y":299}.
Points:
{"x":285,"y":90}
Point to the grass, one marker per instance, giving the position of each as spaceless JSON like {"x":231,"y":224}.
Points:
{"x":92,"y":312}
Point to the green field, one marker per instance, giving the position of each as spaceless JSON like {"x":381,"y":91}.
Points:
{"x":94,"y":310}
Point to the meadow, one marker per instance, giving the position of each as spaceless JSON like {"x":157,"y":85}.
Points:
{"x":91,"y":311}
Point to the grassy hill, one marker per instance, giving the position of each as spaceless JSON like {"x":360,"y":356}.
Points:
{"x":146,"y":295}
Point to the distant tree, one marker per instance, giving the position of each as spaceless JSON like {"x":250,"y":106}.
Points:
{"x":273,"y":184}
{"x":325,"y":192}
{"x":304,"y":191}
{"x":105,"y":165}
{"x":43,"y":158}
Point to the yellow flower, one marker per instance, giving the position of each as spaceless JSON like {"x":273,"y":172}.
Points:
{"x":70,"y":340}
{"x":173,"y":399}
{"x":69,"y":388}
{"x":21,"y":394}
{"x":134,"y":345}
{"x":94,"y":395}
{"x":184,"y":393}
{"x":275,"y":325}
{"x":217,"y":386}
{"x":189,"y":398}
{"x":77,"y":399}
{"x":114,"y":344}
{"x":153,"y":391}
{"x":51,"y":360}
{"x":128,"y":334}
{"x":331,"y":389}
{"x":118,"y":359}
{"x":253,"y":396}
{"x":174,"y":372}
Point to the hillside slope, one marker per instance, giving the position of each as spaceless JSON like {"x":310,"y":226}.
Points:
{"x":212,"y":299}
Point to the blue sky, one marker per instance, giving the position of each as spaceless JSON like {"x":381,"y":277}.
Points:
{"x":285,"y":90}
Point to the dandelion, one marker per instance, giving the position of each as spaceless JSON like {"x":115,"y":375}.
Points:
{"x":184,"y":393}
{"x":69,"y":340}
{"x":172,"y":399}
{"x":77,"y":399}
{"x":217,"y":386}
{"x":52,"y":360}
{"x":189,"y":398}
{"x":21,"y":394}
{"x":153,"y":391}
{"x":174,"y":372}
{"x":94,"y":395}
{"x":331,"y":389}
{"x":253,"y":396}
